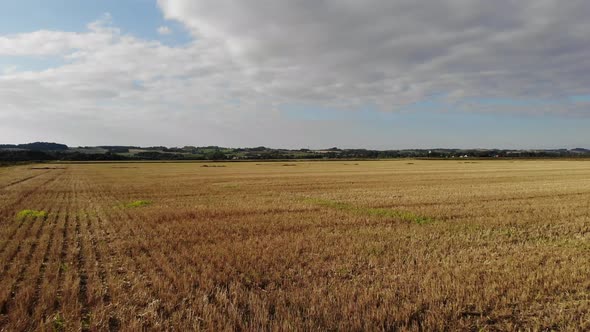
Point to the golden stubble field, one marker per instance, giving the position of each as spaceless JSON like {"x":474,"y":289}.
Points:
{"x":368,"y":245}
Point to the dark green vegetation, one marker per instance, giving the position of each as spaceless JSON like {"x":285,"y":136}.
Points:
{"x":37,"y":146}
{"x":53,"y":151}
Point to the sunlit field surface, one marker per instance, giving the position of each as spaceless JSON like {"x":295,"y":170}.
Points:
{"x":339,"y":245}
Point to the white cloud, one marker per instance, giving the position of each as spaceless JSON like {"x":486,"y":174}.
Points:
{"x":115,"y":87}
{"x":164,"y":30}
{"x":47,"y":43}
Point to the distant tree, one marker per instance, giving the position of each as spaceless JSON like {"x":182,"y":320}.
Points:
{"x":24,"y":155}
{"x":217,"y":155}
{"x":43,"y":146}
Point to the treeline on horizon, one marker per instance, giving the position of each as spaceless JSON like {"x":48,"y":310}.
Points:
{"x":41,"y":151}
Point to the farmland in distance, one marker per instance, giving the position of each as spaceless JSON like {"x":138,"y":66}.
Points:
{"x":338,"y":245}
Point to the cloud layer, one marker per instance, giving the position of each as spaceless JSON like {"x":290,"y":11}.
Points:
{"x":249,"y":59}
{"x":389,"y":53}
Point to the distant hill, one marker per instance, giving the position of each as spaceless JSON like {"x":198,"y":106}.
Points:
{"x":37,"y":146}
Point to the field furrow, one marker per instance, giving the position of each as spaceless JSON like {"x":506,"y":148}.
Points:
{"x":45,"y":295}
{"x":25,"y":271}
{"x":9,"y":207}
{"x":65,"y":309}
{"x":13,"y":183}
{"x":131,"y":288}
{"x":8,"y":215}
{"x":28,"y":288}
{"x":383,"y":245}
{"x":43,"y":266}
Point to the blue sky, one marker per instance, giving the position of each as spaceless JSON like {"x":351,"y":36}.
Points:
{"x":140,"y":17}
{"x":293,"y":75}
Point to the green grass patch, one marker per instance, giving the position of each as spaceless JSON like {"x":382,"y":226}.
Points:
{"x":31,"y":214}
{"x":138,"y":204}
{"x":377,"y":212}
{"x":59,"y":323}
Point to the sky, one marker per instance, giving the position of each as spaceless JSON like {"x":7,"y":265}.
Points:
{"x":378,"y":74}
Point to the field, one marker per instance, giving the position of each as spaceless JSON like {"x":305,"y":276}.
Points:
{"x":368,"y":245}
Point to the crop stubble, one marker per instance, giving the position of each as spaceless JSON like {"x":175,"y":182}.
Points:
{"x":379,"y":245}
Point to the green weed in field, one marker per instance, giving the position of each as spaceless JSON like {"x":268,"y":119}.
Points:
{"x":59,"y":323}
{"x":377,"y":212}
{"x":31,"y":213}
{"x":138,"y":204}
{"x":228,"y":185}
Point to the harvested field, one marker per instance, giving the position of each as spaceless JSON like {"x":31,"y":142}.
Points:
{"x":368,"y":245}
